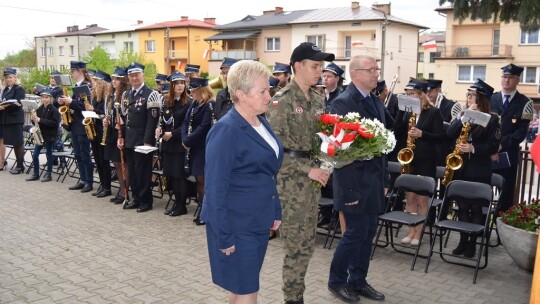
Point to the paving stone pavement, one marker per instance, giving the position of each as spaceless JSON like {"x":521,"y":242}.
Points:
{"x":61,"y":246}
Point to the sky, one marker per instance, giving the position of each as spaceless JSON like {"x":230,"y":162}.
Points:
{"x":22,"y":20}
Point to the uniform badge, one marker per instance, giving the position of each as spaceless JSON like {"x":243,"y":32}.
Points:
{"x":167,"y":112}
{"x":154,"y":113}
{"x":514,"y":120}
{"x":299,"y":110}
{"x":275,"y":103}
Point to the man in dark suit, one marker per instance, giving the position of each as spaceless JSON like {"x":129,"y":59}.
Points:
{"x":516,"y":111}
{"x":358,"y":190}
{"x":141,"y":111}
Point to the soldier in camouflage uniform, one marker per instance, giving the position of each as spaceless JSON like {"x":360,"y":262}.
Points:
{"x":293,"y":118}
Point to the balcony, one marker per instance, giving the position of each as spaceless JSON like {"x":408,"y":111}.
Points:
{"x":236,"y":54}
{"x":477,"y":51}
{"x":347,"y":53}
{"x":178,"y":54}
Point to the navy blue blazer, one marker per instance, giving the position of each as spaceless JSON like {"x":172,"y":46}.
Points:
{"x":241,"y":170}
{"x":12,"y":114}
{"x":359,"y":187}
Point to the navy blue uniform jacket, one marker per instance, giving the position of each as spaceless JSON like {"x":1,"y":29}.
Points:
{"x":361,"y":181}
{"x":240,"y":172}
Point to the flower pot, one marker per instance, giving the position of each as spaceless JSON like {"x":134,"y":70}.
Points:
{"x":520,"y":244}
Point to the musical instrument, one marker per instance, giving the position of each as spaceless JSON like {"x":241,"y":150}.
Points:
{"x":187,"y":168}
{"x":163,"y":178}
{"x":406,"y":155}
{"x":454,"y":161}
{"x":88,"y":123}
{"x":217,"y":83}
{"x":391,"y":90}
{"x":122,"y":161}
{"x":37,"y":137}
{"x":108,"y":116}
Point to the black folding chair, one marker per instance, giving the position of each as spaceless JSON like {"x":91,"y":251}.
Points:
{"x":392,"y":219}
{"x":475,"y":194}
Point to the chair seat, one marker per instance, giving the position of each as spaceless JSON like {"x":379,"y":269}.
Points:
{"x":460,"y":226}
{"x":402,"y":218}
{"x":61,"y":153}
{"x":324,"y":202}
{"x":436,"y":202}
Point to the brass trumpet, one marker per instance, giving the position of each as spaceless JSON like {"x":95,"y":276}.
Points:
{"x":406,"y":155}
{"x":454,"y":161}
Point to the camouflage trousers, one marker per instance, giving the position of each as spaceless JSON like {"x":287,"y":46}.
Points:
{"x":299,"y":202}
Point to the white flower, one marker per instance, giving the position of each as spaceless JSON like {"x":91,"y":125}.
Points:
{"x":352,"y":116}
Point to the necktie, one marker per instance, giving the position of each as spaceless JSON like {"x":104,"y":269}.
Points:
{"x":372,"y":105}
{"x":506,"y":101}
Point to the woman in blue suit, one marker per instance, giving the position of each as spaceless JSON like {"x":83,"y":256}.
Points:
{"x":243,"y":157}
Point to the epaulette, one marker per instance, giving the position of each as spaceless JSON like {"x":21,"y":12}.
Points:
{"x":456,"y":109}
{"x":282,"y":91}
{"x":154,"y":100}
{"x":528,"y":110}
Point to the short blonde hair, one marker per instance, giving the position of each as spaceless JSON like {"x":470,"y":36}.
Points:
{"x":243,"y":74}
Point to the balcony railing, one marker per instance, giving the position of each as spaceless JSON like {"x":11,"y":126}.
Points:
{"x":178,"y":54}
{"x":353,"y":51}
{"x":236,"y":54}
{"x":476,"y":51}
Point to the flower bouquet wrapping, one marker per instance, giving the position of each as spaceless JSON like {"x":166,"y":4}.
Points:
{"x":345,"y":139}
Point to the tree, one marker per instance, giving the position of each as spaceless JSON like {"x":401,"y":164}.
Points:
{"x":126,"y":58}
{"x":525,"y":12}
{"x":35,"y":75}
{"x":98,"y":59}
{"x":22,"y":59}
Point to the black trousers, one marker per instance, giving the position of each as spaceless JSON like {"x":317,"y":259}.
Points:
{"x":506,"y":200}
{"x":140,"y":177}
{"x":103,"y":166}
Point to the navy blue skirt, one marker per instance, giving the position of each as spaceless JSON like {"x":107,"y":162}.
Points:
{"x":239,"y":272}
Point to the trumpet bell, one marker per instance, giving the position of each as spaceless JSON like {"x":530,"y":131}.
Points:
{"x":217,"y":83}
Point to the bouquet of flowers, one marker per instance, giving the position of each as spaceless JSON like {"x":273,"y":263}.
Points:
{"x":345,"y":139}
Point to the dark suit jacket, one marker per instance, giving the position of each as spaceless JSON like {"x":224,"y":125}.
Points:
{"x":513,"y":126}
{"x":359,"y":187}
{"x":241,"y":169}
{"x":76,"y":107}
{"x":178,"y":114}
{"x":142,"y":119}
{"x":49,"y":122}
{"x":223,"y":103}
{"x":12,"y":114}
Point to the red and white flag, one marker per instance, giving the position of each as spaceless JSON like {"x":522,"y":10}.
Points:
{"x":429,"y":45}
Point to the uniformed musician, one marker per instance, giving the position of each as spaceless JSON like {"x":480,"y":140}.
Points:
{"x":161,"y":79}
{"x":516,"y":111}
{"x":173,"y":113}
{"x":223,"y":98}
{"x":191,"y":70}
{"x":120,"y":84}
{"x":333,"y":82}
{"x":282,"y":72}
{"x":12,"y":119}
{"x":79,"y":140}
{"x":141,"y":106}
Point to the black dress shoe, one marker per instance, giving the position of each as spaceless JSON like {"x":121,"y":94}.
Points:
{"x":33,"y":177}
{"x":198,"y":222}
{"x":97,"y":191}
{"x":77,"y":186}
{"x":301,"y":301}
{"x":104,"y":193}
{"x":131,"y":206}
{"x":167,"y":212}
{"x":178,"y":212}
{"x":113,"y":199}
{"x":370,"y":293}
{"x":87,"y":188}
{"x":16,"y":170}
{"x":144,"y":209}
{"x":345,"y":293}
{"x":119,"y":200}
{"x":46,"y":178}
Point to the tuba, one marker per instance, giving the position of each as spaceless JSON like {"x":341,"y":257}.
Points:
{"x":454,"y":161}
{"x":406,"y":155}
{"x":217,"y":83}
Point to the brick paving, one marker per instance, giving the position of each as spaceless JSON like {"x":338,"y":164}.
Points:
{"x":61,"y":246}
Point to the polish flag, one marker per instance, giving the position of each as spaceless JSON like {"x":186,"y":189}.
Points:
{"x":429,"y":45}
{"x":535,"y":153}
{"x":357,"y":44}
{"x":179,"y":64}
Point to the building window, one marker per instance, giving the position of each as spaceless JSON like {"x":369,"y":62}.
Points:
{"x":420,"y":75}
{"x":112,"y":36}
{"x":420,"y":56}
{"x":529,"y":37}
{"x":399,"y":43}
{"x":348,"y":46}
{"x":149,"y":33}
{"x":42,"y":51}
{"x":129,"y":35}
{"x":60,"y":51}
{"x":51,"y":52}
{"x":43,"y":67}
{"x":469,"y":73}
{"x":128,"y":46}
{"x":431,"y":75}
{"x":150,"y":46}
{"x":62,"y":67}
{"x":318,"y":40}
{"x":273,"y":44}
{"x":530,"y":75}
{"x":72,"y":50}
{"x":433,"y":55}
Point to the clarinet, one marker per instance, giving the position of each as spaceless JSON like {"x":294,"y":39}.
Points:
{"x":187,"y":167}
{"x":163,"y":178}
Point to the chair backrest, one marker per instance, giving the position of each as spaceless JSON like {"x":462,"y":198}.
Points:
{"x":415,"y":183}
{"x":497,"y":181}
{"x":473,"y":192}
{"x":394,"y":167}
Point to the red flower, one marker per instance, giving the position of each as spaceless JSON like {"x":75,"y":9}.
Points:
{"x":329,"y":119}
